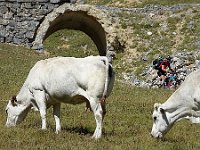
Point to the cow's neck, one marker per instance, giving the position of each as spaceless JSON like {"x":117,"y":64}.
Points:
{"x":174,"y":102}
{"x":24,"y":97}
{"x":179,"y":114}
{"x":175,"y":110}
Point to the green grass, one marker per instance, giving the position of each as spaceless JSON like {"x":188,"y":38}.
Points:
{"x":70,"y":43}
{"x":127,"y":124}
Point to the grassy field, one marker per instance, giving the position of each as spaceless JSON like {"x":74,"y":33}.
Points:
{"x":127,"y":124}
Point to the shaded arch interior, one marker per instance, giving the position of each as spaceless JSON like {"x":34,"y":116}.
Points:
{"x":83,"y":22}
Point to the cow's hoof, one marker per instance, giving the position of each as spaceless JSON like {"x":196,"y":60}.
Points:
{"x":96,"y":137}
{"x":58,"y":131}
{"x":44,"y":128}
{"x":88,"y":109}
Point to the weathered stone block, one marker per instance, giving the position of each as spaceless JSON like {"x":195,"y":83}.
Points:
{"x":32,"y":25}
{"x":2,"y":39}
{"x":50,"y":6}
{"x":26,"y":5}
{"x":42,"y":12}
{"x":3,"y":9}
{"x":18,"y":40}
{"x":3,"y":33}
{"x":4,"y":22}
{"x":29,"y":35}
{"x":8,"y":15}
{"x":54,"y":1}
{"x":13,"y":9}
{"x":9,"y":39}
{"x":38,"y":18}
{"x":14,"y":5}
{"x":3,"y":3}
{"x":12,"y":23}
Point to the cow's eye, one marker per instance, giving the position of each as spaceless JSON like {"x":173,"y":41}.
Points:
{"x":6,"y":111}
{"x":154,"y":118}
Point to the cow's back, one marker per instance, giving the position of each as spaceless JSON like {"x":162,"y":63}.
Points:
{"x":66,"y":77}
{"x":187,"y":92}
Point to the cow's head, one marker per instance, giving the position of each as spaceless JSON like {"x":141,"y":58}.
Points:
{"x":16,"y":112}
{"x":161,"y":123}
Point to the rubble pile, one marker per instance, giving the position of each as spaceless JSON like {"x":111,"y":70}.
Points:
{"x":183,"y":63}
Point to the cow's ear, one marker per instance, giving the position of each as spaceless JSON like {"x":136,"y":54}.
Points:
{"x":156,"y":105}
{"x":14,"y":101}
{"x":162,"y":110}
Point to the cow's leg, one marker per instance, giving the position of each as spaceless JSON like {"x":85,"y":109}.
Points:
{"x":193,"y":119}
{"x":185,"y":113}
{"x":87,"y":106}
{"x":56,"y":114}
{"x":98,"y":114}
{"x":103,"y":105}
{"x":40,"y":100}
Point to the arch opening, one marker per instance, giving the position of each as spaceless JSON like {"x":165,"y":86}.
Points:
{"x":80,"y":21}
{"x":70,"y":43}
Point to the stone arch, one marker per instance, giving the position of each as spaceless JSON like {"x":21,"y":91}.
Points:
{"x":85,"y":18}
{"x":80,"y":21}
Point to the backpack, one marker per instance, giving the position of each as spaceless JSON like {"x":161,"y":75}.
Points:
{"x":156,"y":63}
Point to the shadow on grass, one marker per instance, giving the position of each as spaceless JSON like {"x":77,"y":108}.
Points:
{"x":167,"y":140}
{"x":85,"y":131}
{"x":79,"y":130}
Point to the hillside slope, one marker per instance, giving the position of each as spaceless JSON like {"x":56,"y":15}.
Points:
{"x":138,"y":3}
{"x":143,"y":34}
{"x":162,"y":31}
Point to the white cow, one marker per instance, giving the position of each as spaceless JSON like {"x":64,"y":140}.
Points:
{"x":184,"y":102}
{"x":64,"y":79}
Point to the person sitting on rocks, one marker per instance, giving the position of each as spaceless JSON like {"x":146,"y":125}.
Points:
{"x":170,"y":80}
{"x":163,"y":69}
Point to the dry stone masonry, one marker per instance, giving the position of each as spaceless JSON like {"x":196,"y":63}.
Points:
{"x":26,"y":22}
{"x":19,"y":19}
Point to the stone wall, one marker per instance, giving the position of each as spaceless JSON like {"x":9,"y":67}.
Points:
{"x":26,"y":22}
{"x":19,"y":19}
{"x":22,"y":22}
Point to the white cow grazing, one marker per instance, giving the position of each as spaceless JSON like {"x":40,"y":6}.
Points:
{"x":184,"y":102}
{"x":64,"y":79}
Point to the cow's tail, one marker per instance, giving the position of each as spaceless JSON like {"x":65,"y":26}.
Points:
{"x":108,"y":76}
